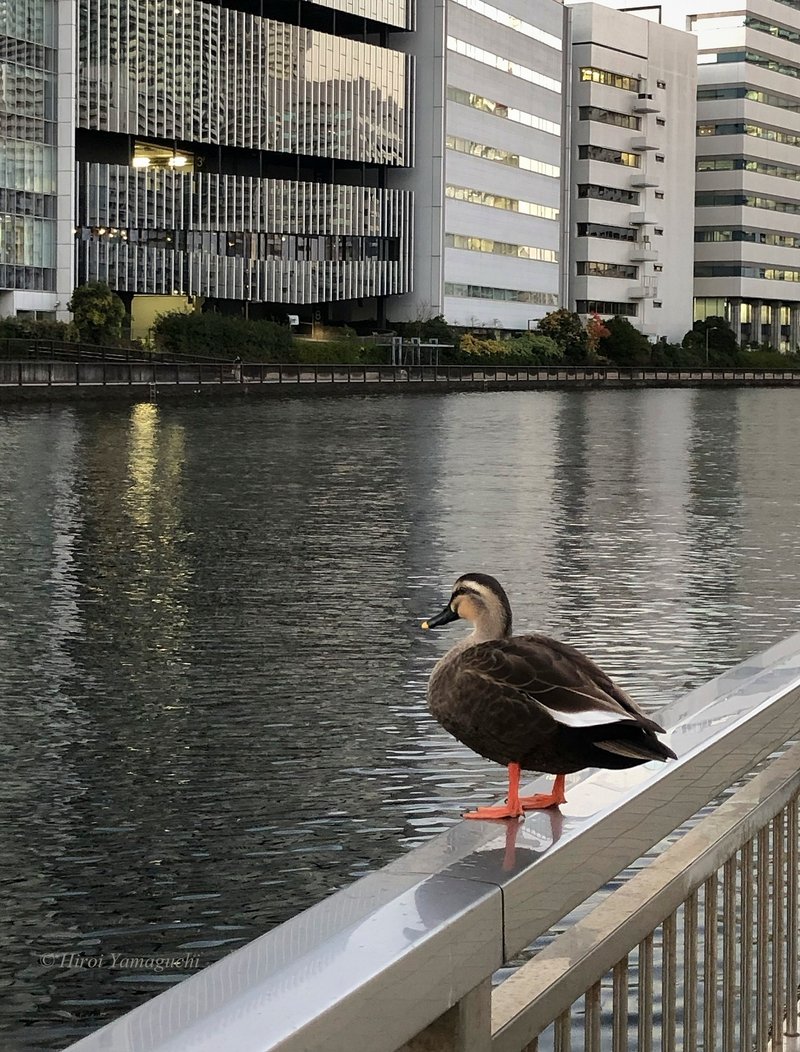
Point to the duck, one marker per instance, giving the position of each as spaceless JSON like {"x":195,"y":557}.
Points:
{"x":530,"y":702}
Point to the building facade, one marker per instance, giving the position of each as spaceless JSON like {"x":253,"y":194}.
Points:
{"x":747,"y":232}
{"x":244,"y":159}
{"x":628,"y":170}
{"x":502,"y":162}
{"x":36,"y":157}
{"x":747,"y":217}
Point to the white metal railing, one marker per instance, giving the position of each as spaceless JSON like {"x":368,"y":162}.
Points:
{"x":404,"y":958}
{"x":714,"y":918}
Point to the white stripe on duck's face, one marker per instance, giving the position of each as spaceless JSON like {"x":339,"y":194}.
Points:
{"x":586,"y":717}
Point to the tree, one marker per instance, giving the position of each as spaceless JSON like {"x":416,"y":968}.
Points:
{"x":97,"y":313}
{"x":715,"y":335}
{"x":624,"y":344}
{"x":595,"y":331}
{"x":565,"y":328}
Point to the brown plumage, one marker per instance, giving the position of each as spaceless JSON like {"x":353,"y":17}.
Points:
{"x":530,"y":702}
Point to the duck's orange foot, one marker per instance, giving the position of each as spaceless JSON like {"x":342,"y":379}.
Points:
{"x":502,"y":811}
{"x":541,"y":801}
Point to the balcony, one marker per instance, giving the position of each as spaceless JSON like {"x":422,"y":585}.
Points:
{"x":643,"y":252}
{"x":641,"y":144}
{"x":641,"y":219}
{"x":642,"y":180}
{"x":646,"y":103}
{"x":647,"y":289}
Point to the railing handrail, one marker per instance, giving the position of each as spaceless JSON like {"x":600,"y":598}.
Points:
{"x":377,"y":962}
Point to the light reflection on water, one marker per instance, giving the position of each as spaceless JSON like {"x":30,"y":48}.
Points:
{"x":211,"y":669}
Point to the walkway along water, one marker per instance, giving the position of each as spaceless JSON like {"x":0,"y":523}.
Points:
{"x":24,"y":379}
{"x":404,"y":957}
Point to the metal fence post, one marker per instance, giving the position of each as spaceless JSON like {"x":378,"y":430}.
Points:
{"x":467,"y":1027}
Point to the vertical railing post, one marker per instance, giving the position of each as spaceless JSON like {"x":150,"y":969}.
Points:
{"x":690,"y":973}
{"x":730,"y":938}
{"x":710,"y":964}
{"x":466,"y":1027}
{"x":778,"y":935}
{"x":762,"y":942}
{"x":792,"y":834}
{"x":669,"y":983}
{"x":746,"y":940}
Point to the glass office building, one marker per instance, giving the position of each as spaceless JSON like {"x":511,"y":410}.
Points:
{"x":240,"y":158}
{"x":28,"y":146}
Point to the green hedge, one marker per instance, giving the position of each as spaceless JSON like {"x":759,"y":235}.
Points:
{"x":347,"y":351}
{"x":530,"y":348}
{"x":222,"y":336}
{"x":30,"y":329}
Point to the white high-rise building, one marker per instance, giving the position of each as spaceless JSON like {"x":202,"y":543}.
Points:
{"x":503,"y":162}
{"x":747,"y":217}
{"x":629,"y":159}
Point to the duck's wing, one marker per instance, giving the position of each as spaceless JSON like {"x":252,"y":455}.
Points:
{"x":567,"y":685}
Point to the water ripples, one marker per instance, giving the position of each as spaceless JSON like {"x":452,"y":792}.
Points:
{"x":211,"y":671}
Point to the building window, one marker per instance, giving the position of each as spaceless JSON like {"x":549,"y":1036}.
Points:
{"x":509,"y":204}
{"x":746,"y":270}
{"x":625,"y":310}
{"x":505,"y":65}
{"x":658,"y":231}
{"x":603,"y":153}
{"x":611,"y":233}
{"x":619,"y":120}
{"x":614,"y":80}
{"x":661,"y":84}
{"x":486,"y":292}
{"x":500,"y":248}
{"x":747,"y":164}
{"x":660,"y":158}
{"x":500,"y":109}
{"x":783,"y":102}
{"x":759,"y":131}
{"x":594,"y":269}
{"x":658,"y":268}
{"x":657,"y":304}
{"x":712,"y":235}
{"x":494,"y":153}
{"x":774,"y":204}
{"x":503,"y":18}
{"x":659,"y":195}
{"x":661,"y":122}
{"x":608,"y":193}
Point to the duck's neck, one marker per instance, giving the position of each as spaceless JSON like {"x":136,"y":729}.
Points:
{"x":482,"y":632}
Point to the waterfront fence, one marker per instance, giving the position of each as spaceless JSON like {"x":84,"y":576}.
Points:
{"x":118,"y":370}
{"x":699,"y":950}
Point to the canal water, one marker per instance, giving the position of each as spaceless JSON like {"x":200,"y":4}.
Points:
{"x":212,"y":677}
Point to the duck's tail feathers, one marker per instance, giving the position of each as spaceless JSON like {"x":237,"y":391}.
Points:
{"x":650,"y":748}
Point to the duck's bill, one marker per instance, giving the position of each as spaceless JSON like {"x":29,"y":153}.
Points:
{"x":447,"y":615}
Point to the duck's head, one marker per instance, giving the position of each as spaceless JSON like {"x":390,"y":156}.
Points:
{"x":478,"y":598}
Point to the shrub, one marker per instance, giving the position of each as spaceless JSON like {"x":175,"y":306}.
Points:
{"x":623,"y":344}
{"x":566,"y":329}
{"x":351,"y":350}
{"x":528,"y":349}
{"x":222,"y":336}
{"x":98,"y":313}
{"x":31,"y":329}
{"x":714,"y":335}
